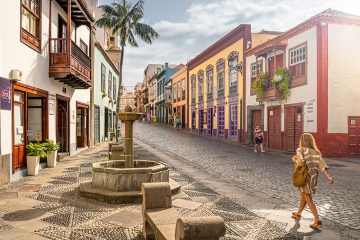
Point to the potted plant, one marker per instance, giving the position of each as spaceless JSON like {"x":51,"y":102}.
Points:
{"x":282,"y":79}
{"x":35,"y":151}
{"x":259,"y":84}
{"x":51,"y":149}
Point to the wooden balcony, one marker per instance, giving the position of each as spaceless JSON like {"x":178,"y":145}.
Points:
{"x":69,"y":64}
{"x":271,"y":93}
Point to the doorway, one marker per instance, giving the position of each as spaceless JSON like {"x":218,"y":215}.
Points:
{"x":274,"y":127}
{"x":233,"y":120}
{"x":106,"y":122}
{"x":183,"y":117}
{"x":96,"y":124}
{"x":62,"y":134}
{"x":293,"y":126}
{"x":193,"y":121}
{"x":354,"y":136}
{"x":221,"y":121}
{"x":209,"y":121}
{"x":201,"y":121}
{"x":82,"y":113}
{"x":30,"y":121}
{"x":256,"y":120}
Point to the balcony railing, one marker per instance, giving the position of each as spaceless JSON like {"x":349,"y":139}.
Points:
{"x":64,"y":64}
{"x":271,"y":92}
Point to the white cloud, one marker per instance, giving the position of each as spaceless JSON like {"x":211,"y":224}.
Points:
{"x":207,"y":23}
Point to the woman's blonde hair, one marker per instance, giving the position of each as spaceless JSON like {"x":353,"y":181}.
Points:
{"x":307,"y":140}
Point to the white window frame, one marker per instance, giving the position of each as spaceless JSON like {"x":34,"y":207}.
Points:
{"x":298,"y":55}
{"x":221,"y":79}
{"x":210,"y":80}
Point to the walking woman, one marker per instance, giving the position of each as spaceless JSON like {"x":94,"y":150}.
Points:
{"x":310,"y":155}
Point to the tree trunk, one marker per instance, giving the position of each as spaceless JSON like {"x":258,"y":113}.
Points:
{"x":119,"y":90}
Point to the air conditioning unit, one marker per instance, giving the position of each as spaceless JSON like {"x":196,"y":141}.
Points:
{"x":16,"y":75}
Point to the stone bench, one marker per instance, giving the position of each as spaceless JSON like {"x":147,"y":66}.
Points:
{"x":117,"y":152}
{"x":162,"y":221}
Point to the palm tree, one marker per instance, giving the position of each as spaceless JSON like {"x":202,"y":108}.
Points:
{"x":125,"y":20}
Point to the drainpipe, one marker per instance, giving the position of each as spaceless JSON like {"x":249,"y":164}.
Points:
{"x":92,"y":92}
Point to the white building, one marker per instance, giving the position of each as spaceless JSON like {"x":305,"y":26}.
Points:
{"x":45,"y":69}
{"x":321,"y":56}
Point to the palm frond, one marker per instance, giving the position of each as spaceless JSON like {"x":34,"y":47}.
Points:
{"x":146,"y":32}
{"x":130,"y":38}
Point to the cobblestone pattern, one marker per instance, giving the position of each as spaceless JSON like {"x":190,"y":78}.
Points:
{"x":269,"y":172}
{"x":79,"y":218}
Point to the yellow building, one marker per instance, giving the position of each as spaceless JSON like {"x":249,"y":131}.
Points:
{"x":216,"y":85}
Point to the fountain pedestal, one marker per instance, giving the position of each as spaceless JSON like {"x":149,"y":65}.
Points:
{"x":119,"y":181}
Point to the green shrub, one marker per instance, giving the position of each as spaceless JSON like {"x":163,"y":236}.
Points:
{"x":35,"y":149}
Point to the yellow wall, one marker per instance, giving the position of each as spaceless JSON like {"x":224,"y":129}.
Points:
{"x":256,"y":39}
{"x":179,"y":77}
{"x":237,"y":46}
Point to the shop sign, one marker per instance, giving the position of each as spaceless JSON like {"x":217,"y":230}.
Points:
{"x":5,"y":88}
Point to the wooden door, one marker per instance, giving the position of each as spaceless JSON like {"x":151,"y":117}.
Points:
{"x":221,"y":121}
{"x":19,"y":131}
{"x":85,"y":119}
{"x":62,"y":116}
{"x":274,"y":128}
{"x":233,"y":120}
{"x":279,"y":63}
{"x":82,"y":127}
{"x":354,"y":136}
{"x":183,"y":117}
{"x":293,"y":127}
{"x":79,"y":127}
{"x":201,"y":121}
{"x":256,"y":120}
{"x":209,"y":121}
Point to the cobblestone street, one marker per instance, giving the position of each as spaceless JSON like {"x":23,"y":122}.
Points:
{"x":250,"y":191}
{"x":268,"y":172}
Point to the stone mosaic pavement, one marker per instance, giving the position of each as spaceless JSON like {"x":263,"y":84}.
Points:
{"x":54,"y":210}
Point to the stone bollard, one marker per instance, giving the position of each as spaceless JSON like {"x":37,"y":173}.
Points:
{"x":209,"y":228}
{"x":117,"y":153}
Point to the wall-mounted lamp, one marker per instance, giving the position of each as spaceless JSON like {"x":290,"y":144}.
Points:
{"x":236,"y":66}
{"x":16,"y":75}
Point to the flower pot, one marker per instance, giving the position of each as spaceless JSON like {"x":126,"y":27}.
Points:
{"x":51,"y":159}
{"x":33,"y":165}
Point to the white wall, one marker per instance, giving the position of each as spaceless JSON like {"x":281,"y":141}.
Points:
{"x":306,"y":94}
{"x":35,"y":66}
{"x":344,"y":76}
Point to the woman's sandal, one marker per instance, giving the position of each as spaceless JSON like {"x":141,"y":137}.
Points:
{"x":316,"y":225}
{"x":296,"y":215}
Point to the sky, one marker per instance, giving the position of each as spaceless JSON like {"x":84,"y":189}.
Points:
{"x":188,"y":27}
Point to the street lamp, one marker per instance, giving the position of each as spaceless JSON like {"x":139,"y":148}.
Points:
{"x":236,"y":66}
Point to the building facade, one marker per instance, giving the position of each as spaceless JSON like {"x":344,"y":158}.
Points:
{"x":162,"y":79}
{"x":47,"y":88}
{"x":106,"y":80}
{"x":216,"y":90}
{"x":149,"y":72}
{"x":323,"y":88}
{"x":179,"y":96}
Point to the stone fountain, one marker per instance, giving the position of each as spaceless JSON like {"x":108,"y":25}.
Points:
{"x":119,"y":181}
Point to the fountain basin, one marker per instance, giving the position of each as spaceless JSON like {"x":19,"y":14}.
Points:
{"x":112,"y":183}
{"x":129,"y":116}
{"x":113,"y":176}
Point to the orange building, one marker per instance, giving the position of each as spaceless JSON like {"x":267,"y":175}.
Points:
{"x":179,"y":103}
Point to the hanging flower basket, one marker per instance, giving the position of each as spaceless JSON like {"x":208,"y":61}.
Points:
{"x":260,"y":83}
{"x":282,"y":80}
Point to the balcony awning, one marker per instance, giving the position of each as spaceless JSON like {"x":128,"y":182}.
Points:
{"x":75,"y":82}
{"x":80,"y":13}
{"x":265,"y":50}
